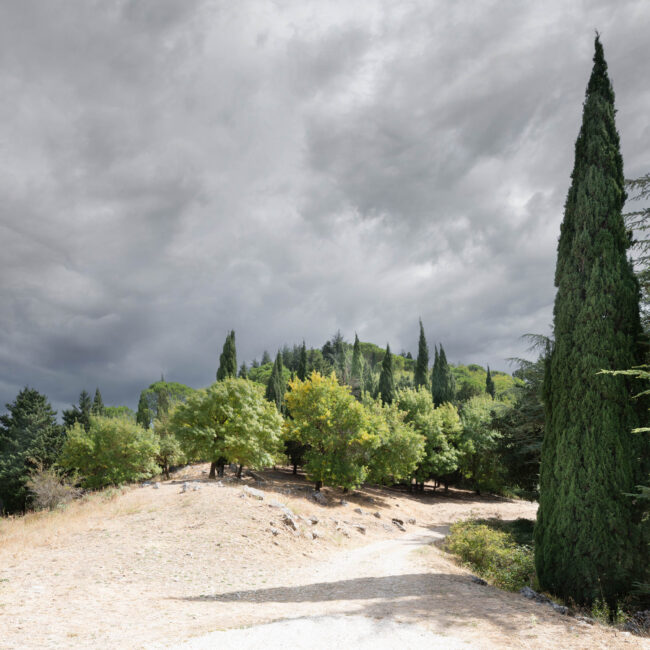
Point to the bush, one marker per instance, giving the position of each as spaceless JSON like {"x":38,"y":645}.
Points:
{"x":49,"y":489}
{"x":113,"y":451}
{"x":493,"y":554}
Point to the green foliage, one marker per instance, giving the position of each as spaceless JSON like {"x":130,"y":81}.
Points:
{"x":302,"y":364}
{"x":169,"y":447}
{"x":113,"y":451}
{"x":400,"y":447}
{"x":588,"y":540}
{"x":443,"y":382}
{"x":228,"y":358}
{"x":29,"y":438}
{"x":335,"y":426}
{"x":356,"y":369}
{"x":98,"y":404}
{"x":80,"y":413}
{"x":471,"y":381}
{"x":119,"y":412}
{"x":421,"y":375}
{"x":440,"y":427}
{"x":158,"y":398}
{"x":493,"y":554}
{"x":243,"y":371}
{"x":386,"y":379}
{"x":229,"y":422}
{"x":276,"y":386}
{"x":489,"y":384}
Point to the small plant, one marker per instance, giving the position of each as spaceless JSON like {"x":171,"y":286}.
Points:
{"x":49,"y":489}
{"x":493,"y":554}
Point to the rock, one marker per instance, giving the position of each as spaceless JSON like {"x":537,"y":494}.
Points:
{"x":313,"y":520}
{"x":560,"y":609}
{"x":276,"y":504}
{"x":252,"y":492}
{"x":204,"y":471}
{"x":308,"y":534}
{"x":477,"y":580}
{"x":586,"y":619}
{"x":343,"y":530}
{"x":319,"y":498}
{"x":527,"y":592}
{"x":399,"y":523}
{"x":376,"y":514}
{"x":360,"y":528}
{"x":156,"y":486}
{"x":274,"y":531}
{"x":358,"y":511}
{"x":289,"y":520}
{"x":196,"y":486}
{"x":387,"y":527}
{"x":146,"y":484}
{"x":344,"y":502}
{"x":219,"y":484}
{"x":638,"y":623}
{"x":316,"y":533}
{"x":257,"y":477}
{"x":411,"y":521}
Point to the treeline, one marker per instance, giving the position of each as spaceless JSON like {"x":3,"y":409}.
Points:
{"x":380,"y":417}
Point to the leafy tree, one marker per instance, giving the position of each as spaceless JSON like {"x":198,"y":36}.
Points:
{"x":144,"y":415}
{"x":302,"y":363}
{"x":443,"y":384}
{"x":588,"y":541}
{"x":421,"y":377}
{"x":400,"y":447}
{"x":98,"y":404}
{"x":228,"y":358}
{"x":356,"y":370}
{"x":113,"y":451}
{"x":229,"y":422}
{"x":295,"y":451}
{"x":80,"y":413}
{"x":119,"y":411}
{"x":335,"y":426}
{"x":158,"y":398}
{"x":266,"y":358}
{"x":275,"y":389}
{"x":169,"y":448}
{"x":29,"y":438}
{"x":386,"y":379}
{"x":489,"y":384}
{"x":243,"y":371}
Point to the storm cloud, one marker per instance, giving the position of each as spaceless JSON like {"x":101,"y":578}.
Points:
{"x":173,"y":170}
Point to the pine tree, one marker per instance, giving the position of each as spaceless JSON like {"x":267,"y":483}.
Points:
{"x":489,"y":384}
{"x":275,"y":389}
{"x":98,"y":404}
{"x":79,"y":413}
{"x":443,"y":383}
{"x":356,"y":371}
{"x":302,"y":363}
{"x":587,"y":541}
{"x":243,"y":371}
{"x":386,"y":379}
{"x":421,"y":377}
{"x":266,"y":357}
{"x":228,"y":359}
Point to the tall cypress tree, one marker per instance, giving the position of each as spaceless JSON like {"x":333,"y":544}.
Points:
{"x":356,"y":370}
{"x":421,"y":377}
{"x":98,"y":404}
{"x":243,"y":371}
{"x":386,"y":379}
{"x":228,"y":358}
{"x":275,"y":387}
{"x":302,"y":363}
{"x":443,"y":383}
{"x":587,"y":542}
{"x":489,"y":384}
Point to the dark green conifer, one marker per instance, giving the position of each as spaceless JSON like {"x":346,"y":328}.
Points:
{"x":266,"y":357}
{"x":443,"y":383}
{"x":421,"y":377}
{"x":243,"y":371}
{"x":302,"y":363}
{"x":98,"y":404}
{"x":489,"y":384}
{"x":386,"y":379}
{"x":587,"y":539}
{"x":275,"y":389}
{"x":356,"y":371}
{"x":144,"y":415}
{"x":228,"y":358}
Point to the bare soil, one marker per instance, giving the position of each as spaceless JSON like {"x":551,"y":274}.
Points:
{"x":157,"y":568}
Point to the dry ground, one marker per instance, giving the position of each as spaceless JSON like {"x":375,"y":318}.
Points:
{"x":154,"y":568}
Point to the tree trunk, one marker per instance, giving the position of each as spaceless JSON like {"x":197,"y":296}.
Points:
{"x":239,"y":469}
{"x":213,"y":470}
{"x":295,"y":469}
{"x":319,"y":485}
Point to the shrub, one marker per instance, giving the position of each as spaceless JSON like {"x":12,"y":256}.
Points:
{"x":113,"y":451}
{"x":492,"y":553}
{"x":49,"y":489}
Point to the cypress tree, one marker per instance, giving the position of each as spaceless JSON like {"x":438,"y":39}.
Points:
{"x":421,"y":377}
{"x":243,"y":371}
{"x":98,"y":404}
{"x":356,"y":370}
{"x":443,"y":383}
{"x":489,"y":384}
{"x":228,"y":358}
{"x":302,"y":363}
{"x":144,"y":416}
{"x":386,"y":379}
{"x":275,"y":387}
{"x":587,"y":541}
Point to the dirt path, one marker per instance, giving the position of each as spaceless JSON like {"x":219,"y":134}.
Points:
{"x":395,"y":593}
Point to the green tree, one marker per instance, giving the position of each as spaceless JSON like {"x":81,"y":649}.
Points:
{"x":80,"y":413}
{"x":228,"y":358}
{"x":169,"y":448}
{"x":587,"y":538}
{"x":98,"y":404}
{"x":386,"y":379}
{"x":266,"y":358}
{"x":144,"y":415}
{"x":119,"y":411}
{"x":489,"y":384}
{"x":302,"y":363}
{"x":356,"y":369}
{"x":158,"y":398}
{"x":229,"y":422}
{"x":276,"y":386}
{"x":421,"y":377}
{"x":243,"y":371}
{"x":29,"y":438}
{"x":327,"y":418}
{"x":113,"y":451}
{"x":443,"y":384}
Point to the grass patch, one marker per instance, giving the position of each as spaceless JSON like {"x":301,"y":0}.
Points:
{"x":491,"y":548}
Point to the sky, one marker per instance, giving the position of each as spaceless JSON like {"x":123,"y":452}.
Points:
{"x":173,"y":170}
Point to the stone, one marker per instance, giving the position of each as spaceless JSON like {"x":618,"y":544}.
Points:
{"x":387,"y":527}
{"x":343,"y":530}
{"x":411,"y":521}
{"x":358,"y":511}
{"x":156,"y":486}
{"x":274,"y":531}
{"x":398,"y":523}
{"x":344,"y":502}
{"x":146,"y":484}
{"x":360,"y":528}
{"x":477,"y":580}
{"x":252,"y":492}
{"x":308,"y":534}
{"x":560,"y":609}
{"x":376,"y":514}
{"x":219,"y":484}
{"x":531,"y":594}
{"x":196,"y":487}
{"x":289,"y":520}
{"x":319,"y":498}
{"x":313,"y":520}
{"x":316,"y":533}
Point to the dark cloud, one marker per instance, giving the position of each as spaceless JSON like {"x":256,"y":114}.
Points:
{"x":172,"y":170}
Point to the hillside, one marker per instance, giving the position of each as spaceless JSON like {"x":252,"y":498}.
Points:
{"x":147,"y":567}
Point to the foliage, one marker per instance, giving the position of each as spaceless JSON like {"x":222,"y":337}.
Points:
{"x":119,"y":411}
{"x":80,"y":413}
{"x":302,"y":363}
{"x":276,"y":386}
{"x":492,"y":553}
{"x":440,"y":429}
{"x":588,"y":541}
{"x":169,"y":448}
{"x":113,"y":451}
{"x":386,"y":378}
{"x":335,"y":425}
{"x":158,"y":398}
{"x":356,"y":369}
{"x":229,"y":422}
{"x":98,"y":404}
{"x":443,"y":382}
{"x":421,"y":375}
{"x":49,"y":489}
{"x":228,"y":358}
{"x":471,"y":381}
{"x":489,"y":384}
{"x":243,"y":371}
{"x":29,"y":438}
{"x":400,"y":447}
